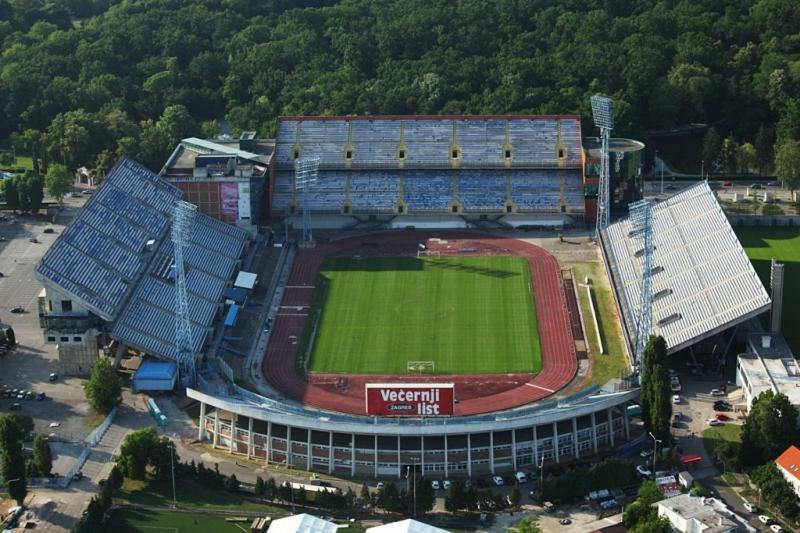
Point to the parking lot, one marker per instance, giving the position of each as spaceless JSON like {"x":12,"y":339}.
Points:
{"x":63,"y":413}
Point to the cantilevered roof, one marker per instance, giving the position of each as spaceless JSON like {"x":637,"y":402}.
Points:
{"x":117,"y":260}
{"x":703,"y":282}
{"x":211,"y":147}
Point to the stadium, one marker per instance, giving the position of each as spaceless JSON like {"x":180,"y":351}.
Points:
{"x":417,"y":291}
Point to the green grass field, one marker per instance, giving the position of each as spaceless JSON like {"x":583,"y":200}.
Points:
{"x":168,"y":521}
{"x":466,"y":314}
{"x":761,"y":245}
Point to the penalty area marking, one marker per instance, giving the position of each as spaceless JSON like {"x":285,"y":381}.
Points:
{"x":541,"y":388}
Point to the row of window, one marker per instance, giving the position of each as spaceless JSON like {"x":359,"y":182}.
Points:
{"x":454,"y":154}
{"x":64,"y":339}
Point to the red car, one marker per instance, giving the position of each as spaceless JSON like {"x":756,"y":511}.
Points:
{"x":727,"y":184}
{"x":722,"y":417}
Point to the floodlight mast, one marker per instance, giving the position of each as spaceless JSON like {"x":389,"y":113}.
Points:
{"x":182,"y":218}
{"x":603,"y":115}
{"x":306,"y":171}
{"x":641,"y":220}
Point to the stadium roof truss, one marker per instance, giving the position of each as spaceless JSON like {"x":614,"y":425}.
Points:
{"x":117,"y":260}
{"x":702,"y":280}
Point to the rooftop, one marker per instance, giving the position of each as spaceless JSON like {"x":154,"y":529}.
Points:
{"x":789,"y":461}
{"x":703,"y":282}
{"x":406,"y":526}
{"x":770,"y":365}
{"x":709,"y":514}
{"x":182,"y":162}
{"x":302,"y":523}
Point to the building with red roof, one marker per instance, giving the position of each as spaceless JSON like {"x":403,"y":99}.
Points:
{"x":789,"y":465}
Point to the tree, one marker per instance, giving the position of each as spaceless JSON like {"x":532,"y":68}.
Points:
{"x":653,"y":524}
{"x":529,"y":525}
{"x":11,"y":193}
{"x":58,"y":182}
{"x":260,"y":487}
{"x":104,"y":387}
{"x":233,"y":484}
{"x":425,"y":495}
{"x":712,"y":144}
{"x":727,"y":155}
{"x":656,"y":393}
{"x":763,"y":144}
{"x":648,"y":493}
{"x":770,"y":428}
{"x":12,"y":459}
{"x":270,"y":489}
{"x":364,"y":496}
{"x":746,"y":157}
{"x":144,"y":449}
{"x":454,"y":498}
{"x":515,"y":495}
{"x":115,"y":478}
{"x":776,"y":490}
{"x":42,"y":457}
{"x":787,"y":163}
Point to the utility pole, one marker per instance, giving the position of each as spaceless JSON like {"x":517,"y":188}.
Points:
{"x":655,"y":451}
{"x":172,"y":465}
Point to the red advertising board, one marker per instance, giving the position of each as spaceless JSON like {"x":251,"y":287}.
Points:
{"x":410,"y":399}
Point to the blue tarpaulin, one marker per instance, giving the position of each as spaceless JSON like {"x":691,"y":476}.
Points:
{"x":230,"y":318}
{"x":237,"y":294}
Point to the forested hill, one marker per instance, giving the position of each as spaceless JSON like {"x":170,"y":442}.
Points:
{"x":84,"y":82}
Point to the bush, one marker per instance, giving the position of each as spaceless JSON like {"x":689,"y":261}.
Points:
{"x":573,"y":485}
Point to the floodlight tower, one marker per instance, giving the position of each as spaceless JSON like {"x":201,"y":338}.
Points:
{"x":641,"y":220}
{"x":603,"y":115}
{"x":182,"y":218}
{"x":305,"y":176}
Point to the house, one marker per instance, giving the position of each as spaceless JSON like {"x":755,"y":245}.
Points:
{"x":788,"y":464}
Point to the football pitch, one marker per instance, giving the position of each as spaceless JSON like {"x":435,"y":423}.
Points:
{"x":761,"y":245}
{"x":458,"y":315}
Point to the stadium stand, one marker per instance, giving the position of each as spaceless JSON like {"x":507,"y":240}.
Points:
{"x":703,"y":282}
{"x":418,"y":163}
{"x":116,"y":260}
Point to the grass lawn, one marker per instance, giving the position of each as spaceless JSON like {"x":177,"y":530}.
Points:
{"x":190,"y":494}
{"x":613,"y":363}
{"x":168,"y":521}
{"x":714,"y":435}
{"x":763,"y":243}
{"x":465,"y":314}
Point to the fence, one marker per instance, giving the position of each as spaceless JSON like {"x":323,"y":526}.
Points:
{"x":761,"y":220}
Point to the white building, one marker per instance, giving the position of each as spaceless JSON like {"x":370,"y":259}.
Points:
{"x":767,"y":365}
{"x":788,"y":464}
{"x":692,"y":514}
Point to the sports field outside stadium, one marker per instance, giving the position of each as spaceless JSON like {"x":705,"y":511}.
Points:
{"x":761,"y":245}
{"x":462,"y":314}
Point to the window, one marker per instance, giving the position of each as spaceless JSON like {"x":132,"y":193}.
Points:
{"x":401,"y":154}
{"x":670,"y":319}
{"x":399,"y":208}
{"x":454,"y":209}
{"x":50,"y":306}
{"x":508,"y":154}
{"x":454,"y":154}
{"x":509,"y":209}
{"x":77,"y":339}
{"x":348,"y":154}
{"x":657,"y":269}
{"x":662,"y":293}
{"x":346,"y":209}
{"x":296,"y":154}
{"x":66,"y":306}
{"x":561,"y":153}
{"x":51,"y":339}
{"x":64,"y":339}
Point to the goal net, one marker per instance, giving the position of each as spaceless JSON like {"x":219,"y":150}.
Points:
{"x":419,"y":367}
{"x":428,"y":253}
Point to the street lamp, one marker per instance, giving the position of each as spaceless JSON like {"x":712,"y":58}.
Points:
{"x":408,"y":468}
{"x":656,"y":442}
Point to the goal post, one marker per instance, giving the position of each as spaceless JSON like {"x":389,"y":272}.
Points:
{"x":428,"y":253}
{"x":420,"y":367}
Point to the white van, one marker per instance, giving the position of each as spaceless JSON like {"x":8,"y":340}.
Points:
{"x":520,"y":477}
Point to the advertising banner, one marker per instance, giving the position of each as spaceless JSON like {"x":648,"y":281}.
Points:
{"x":410,"y":399}
{"x":229,"y":200}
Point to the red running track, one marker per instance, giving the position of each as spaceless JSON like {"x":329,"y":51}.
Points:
{"x":477,"y":393}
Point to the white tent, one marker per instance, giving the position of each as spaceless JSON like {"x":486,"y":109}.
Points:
{"x":245,"y":280}
{"x":406,"y":526}
{"x":302,"y":523}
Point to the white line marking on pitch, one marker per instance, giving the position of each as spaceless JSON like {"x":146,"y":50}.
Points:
{"x":299,"y":287}
{"x":538,"y":387}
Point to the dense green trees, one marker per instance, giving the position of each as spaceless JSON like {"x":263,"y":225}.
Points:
{"x":144,"y":451}
{"x":770,"y":428}
{"x":42,"y":462}
{"x":655,"y":397}
{"x":776,"y":490}
{"x":104,"y":387}
{"x":12,"y":463}
{"x":71,"y":91}
{"x":58,"y":182}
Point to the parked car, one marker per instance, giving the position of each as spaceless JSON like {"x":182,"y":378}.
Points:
{"x":379,"y":485}
{"x":446,"y":484}
{"x":722,"y":406}
{"x":643,"y":471}
{"x":40,"y":396}
{"x":755,"y":186}
{"x":435,"y":484}
{"x":87,"y":192}
{"x":497,"y":480}
{"x":750,"y":507}
{"x":16,"y":406}
{"x":722,"y":417}
{"x":676,"y":399}
{"x":34,"y":240}
{"x":53,"y":377}
{"x":645,"y":453}
{"x":764,"y":519}
{"x":520,"y":477}
{"x":18,"y":310}
{"x":716,"y":392}
{"x":48,"y":230}
{"x":776,"y":528}
{"x":713,"y":422}
{"x":727,"y":184}
{"x":565,"y":521}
